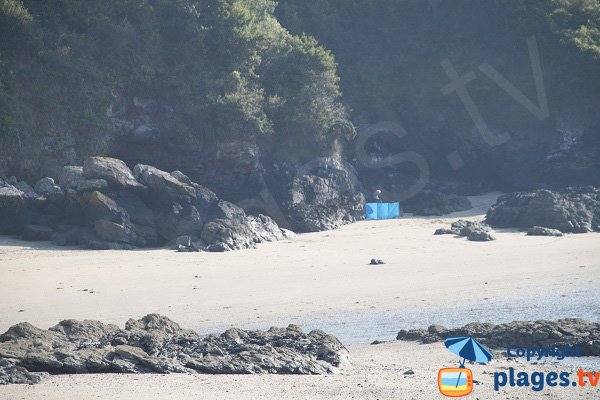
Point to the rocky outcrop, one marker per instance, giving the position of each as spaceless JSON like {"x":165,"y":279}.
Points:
{"x":105,"y":205}
{"x":323,"y":195}
{"x":472,"y":230}
{"x":12,"y":374}
{"x":155,"y":344}
{"x":533,"y":334}
{"x":575,"y":210}
{"x":430,"y":202}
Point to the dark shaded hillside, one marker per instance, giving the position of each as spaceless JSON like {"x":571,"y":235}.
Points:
{"x":390,"y":55}
{"x":220,"y":90}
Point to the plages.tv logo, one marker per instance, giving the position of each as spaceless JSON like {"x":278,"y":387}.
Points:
{"x":458,"y":382}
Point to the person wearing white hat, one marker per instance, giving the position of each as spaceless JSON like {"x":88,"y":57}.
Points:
{"x":377,"y":196}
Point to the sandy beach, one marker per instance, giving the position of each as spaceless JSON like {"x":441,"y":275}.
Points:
{"x":320,"y":279}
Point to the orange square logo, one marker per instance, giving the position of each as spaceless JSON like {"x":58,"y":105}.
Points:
{"x":455,"y":382}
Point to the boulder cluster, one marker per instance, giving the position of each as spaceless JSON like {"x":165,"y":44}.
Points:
{"x":532,"y":334}
{"x":106,"y":205}
{"x":155,"y":344}
{"x":473,"y":231}
{"x":573,"y":210}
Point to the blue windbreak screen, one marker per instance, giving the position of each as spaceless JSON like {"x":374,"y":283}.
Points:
{"x":382,"y":210}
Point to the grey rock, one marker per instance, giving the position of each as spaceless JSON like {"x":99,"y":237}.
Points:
{"x":114,"y":171}
{"x":480,"y":236}
{"x":70,"y":177}
{"x":12,"y":374}
{"x":89,"y":185}
{"x":241,"y":233}
{"x":25,"y":188}
{"x":574,"y":210}
{"x":324,"y":195}
{"x":185,"y":241}
{"x":542,"y":231}
{"x":155,"y":344}
{"x":46,"y":186}
{"x":181,"y":177}
{"x":472,"y":230}
{"x":36,"y":233}
{"x":225,"y":210}
{"x":163,"y":184}
{"x":176,"y":219}
{"x":13,"y":211}
{"x":375,"y":261}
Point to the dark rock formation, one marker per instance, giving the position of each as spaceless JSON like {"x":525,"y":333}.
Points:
{"x":473,"y":231}
{"x":323,"y":195}
{"x":12,"y":210}
{"x":104,"y":205}
{"x":575,"y":210}
{"x":429,"y":202}
{"x":542,"y":231}
{"x":155,"y":344}
{"x":534,"y":334}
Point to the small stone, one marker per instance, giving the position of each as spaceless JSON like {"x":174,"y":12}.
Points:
{"x":409,"y":372}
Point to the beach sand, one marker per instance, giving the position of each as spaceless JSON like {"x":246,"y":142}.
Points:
{"x":306,"y":279}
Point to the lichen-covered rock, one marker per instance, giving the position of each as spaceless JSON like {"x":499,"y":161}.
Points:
{"x":163,"y":184}
{"x":155,"y":344}
{"x":575,"y":210}
{"x":114,"y":171}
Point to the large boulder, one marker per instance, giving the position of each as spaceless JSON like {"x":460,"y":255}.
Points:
{"x":13,"y":210}
{"x":241,"y":233}
{"x":163,"y":184}
{"x":575,"y":210}
{"x":71,"y":177}
{"x":124,"y":221}
{"x":114,"y":171}
{"x":155,"y":344}
{"x":323,"y":196}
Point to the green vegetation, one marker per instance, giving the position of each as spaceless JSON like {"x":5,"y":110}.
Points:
{"x":227,"y":68}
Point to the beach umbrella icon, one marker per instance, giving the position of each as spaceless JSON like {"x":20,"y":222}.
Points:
{"x":469,"y":349}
